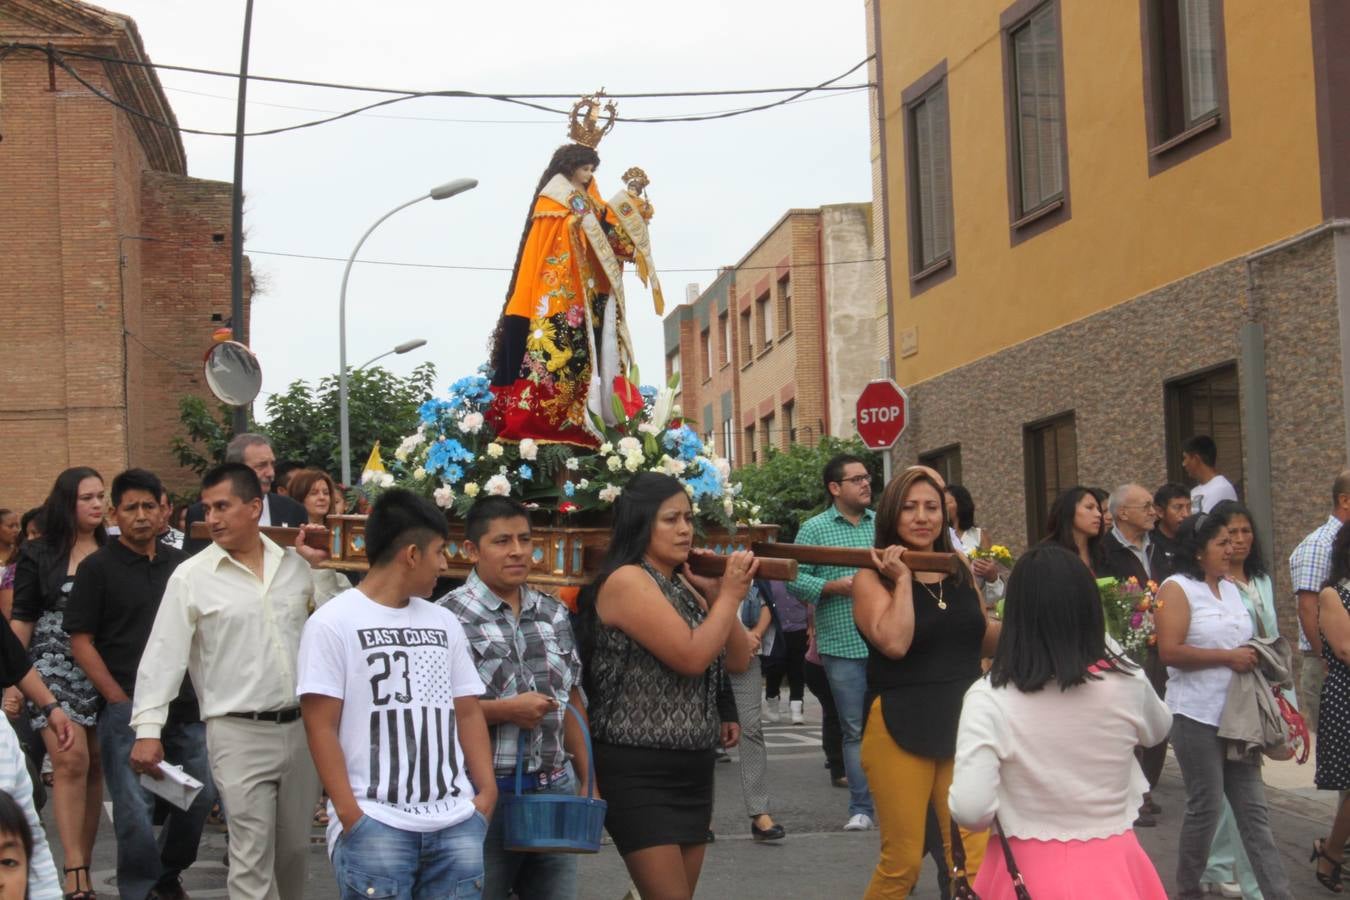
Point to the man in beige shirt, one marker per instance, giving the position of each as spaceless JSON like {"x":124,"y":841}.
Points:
{"x":232,"y":617}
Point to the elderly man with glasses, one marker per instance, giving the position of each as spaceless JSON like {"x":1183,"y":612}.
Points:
{"x":1129,"y":551}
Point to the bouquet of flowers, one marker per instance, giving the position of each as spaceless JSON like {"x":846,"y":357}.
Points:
{"x":998,"y":553}
{"x":1129,"y":608}
{"x":454,"y":455}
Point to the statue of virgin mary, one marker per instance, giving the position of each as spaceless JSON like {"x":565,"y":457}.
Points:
{"x":562,"y":336}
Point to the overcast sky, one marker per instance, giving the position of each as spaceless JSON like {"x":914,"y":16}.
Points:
{"x":717,"y":186}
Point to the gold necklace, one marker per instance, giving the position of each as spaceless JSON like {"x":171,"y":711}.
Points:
{"x":941,"y":604}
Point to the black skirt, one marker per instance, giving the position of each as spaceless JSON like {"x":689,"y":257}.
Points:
{"x":655,"y":797}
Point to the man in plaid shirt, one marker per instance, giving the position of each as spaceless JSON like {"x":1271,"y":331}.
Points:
{"x":522,"y":643}
{"x":1309,"y":566}
{"x":847,"y":522}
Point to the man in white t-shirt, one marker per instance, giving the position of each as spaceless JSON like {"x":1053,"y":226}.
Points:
{"x":390,"y":700}
{"x":1198,"y":456}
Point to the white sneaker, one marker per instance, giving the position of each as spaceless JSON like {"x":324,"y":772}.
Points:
{"x":1222,"y":888}
{"x":798,"y":717}
{"x":769,"y":712}
{"x":860,"y":822}
{"x":783,"y":707}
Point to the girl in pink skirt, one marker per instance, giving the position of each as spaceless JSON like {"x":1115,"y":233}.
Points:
{"x":1046,"y":742}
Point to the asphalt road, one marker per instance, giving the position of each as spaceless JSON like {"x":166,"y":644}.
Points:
{"x":818,"y":859}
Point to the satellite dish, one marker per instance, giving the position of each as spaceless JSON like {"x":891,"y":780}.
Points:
{"x":233,"y":373}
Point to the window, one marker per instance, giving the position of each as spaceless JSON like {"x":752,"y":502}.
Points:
{"x":1185,"y":78}
{"x":747,"y":352}
{"x":751,"y":448}
{"x":1039,"y":107}
{"x":1033,"y":114}
{"x":729,"y":442}
{"x":724,"y":327}
{"x":947,"y":462}
{"x":705,"y":343}
{"x":790,"y":421}
{"x":930,"y":189}
{"x":672,"y":363}
{"x":764,"y":311}
{"x":1207,"y":403}
{"x":785,"y":304}
{"x":1050,"y":452}
{"x":766,"y":434}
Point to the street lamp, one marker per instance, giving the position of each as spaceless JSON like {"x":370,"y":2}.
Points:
{"x":404,"y":347}
{"x":440,"y":192}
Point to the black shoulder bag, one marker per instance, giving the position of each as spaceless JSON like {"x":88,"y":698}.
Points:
{"x":961,"y":889}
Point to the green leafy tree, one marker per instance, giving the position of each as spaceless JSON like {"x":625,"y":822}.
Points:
{"x":787,"y":485}
{"x":302,"y":422}
{"x":205,"y":433}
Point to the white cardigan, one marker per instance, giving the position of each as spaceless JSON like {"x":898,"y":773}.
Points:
{"x":1055,"y":765}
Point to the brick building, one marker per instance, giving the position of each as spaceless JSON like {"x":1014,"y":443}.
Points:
{"x":1110,"y":228}
{"x":758,"y":366}
{"x":114,"y":264}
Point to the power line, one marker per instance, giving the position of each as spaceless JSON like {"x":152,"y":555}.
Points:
{"x":459,"y":268}
{"x":58,"y":58}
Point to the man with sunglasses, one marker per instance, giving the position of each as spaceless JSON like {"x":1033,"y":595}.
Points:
{"x":847,"y":522}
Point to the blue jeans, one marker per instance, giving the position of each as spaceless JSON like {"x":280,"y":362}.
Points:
{"x":143,"y":862}
{"x":374,"y":861}
{"x":848,"y":684}
{"x":533,"y":876}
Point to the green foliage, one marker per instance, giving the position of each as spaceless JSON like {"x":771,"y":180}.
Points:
{"x":303,"y":422}
{"x":203,"y":445}
{"x":787,"y":484}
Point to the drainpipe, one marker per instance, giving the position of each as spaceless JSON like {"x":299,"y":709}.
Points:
{"x":824,"y":323}
{"x":1252,"y":366}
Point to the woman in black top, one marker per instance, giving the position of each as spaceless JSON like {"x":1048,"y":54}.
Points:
{"x":1076,"y":522}
{"x":925,"y":635}
{"x":72,"y":529}
{"x":655,"y":655}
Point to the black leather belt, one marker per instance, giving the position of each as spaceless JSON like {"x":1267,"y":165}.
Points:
{"x":280,"y":716}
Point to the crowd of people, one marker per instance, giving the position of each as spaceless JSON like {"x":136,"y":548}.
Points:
{"x":414,"y":707}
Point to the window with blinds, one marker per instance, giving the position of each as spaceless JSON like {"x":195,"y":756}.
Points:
{"x":1038,"y":103}
{"x":1184,"y":55}
{"x":930,"y":177}
{"x":1050,"y":453}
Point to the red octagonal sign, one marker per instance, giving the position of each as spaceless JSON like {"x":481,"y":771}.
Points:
{"x":882,"y":413}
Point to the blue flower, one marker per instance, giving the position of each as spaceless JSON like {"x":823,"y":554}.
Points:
{"x":648,"y":393}
{"x":446,"y":451}
{"x":705,"y":482}
{"x":431,"y":411}
{"x":569,"y":489}
{"x":453,"y":473}
{"x":683,"y":442}
{"x":473,"y":390}
{"x":526,"y":472}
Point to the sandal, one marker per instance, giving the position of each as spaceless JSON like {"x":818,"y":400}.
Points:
{"x":85,"y":893}
{"x":321,"y":815}
{"x":1331,"y":881}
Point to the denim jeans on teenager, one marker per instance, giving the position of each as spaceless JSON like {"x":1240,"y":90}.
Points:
{"x":375,"y":860}
{"x":143,"y":861}
{"x":534,"y":876}
{"x":1209,"y":778}
{"x":848,"y":684}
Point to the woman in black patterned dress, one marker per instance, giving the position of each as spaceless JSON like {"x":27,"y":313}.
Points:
{"x":654,"y":655}
{"x":1333,"y":723}
{"x":72,"y":529}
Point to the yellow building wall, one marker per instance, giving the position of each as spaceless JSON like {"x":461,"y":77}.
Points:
{"x":1128,"y":233}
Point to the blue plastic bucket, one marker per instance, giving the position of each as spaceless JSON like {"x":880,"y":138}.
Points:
{"x":553,"y":823}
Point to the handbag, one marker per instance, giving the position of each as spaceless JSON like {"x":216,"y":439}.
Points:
{"x":1297,"y":741}
{"x":961,"y":889}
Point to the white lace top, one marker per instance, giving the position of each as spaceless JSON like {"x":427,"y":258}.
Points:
{"x":1055,"y":765}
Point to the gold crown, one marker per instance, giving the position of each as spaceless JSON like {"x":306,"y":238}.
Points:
{"x":587,"y":126}
{"x":636,"y":180}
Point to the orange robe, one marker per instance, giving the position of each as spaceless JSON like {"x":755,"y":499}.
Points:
{"x":561,"y":291}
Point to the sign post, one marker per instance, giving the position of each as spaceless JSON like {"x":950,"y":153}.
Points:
{"x":882,"y":414}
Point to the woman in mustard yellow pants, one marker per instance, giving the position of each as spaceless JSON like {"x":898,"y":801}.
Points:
{"x":925,"y":634}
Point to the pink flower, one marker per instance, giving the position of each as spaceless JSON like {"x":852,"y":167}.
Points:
{"x":575,"y":316}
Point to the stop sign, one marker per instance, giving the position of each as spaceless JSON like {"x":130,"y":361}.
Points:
{"x":882,"y":413}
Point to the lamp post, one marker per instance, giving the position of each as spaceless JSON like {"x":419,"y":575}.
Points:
{"x":440,"y":192}
{"x":404,"y":347}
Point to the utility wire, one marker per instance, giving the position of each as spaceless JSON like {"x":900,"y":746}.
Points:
{"x":527,"y":100}
{"x":660,"y":271}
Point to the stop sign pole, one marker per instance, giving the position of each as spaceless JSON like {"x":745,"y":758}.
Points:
{"x":881,"y":416}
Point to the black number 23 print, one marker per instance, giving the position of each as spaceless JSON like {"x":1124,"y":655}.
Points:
{"x":388,"y":662}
